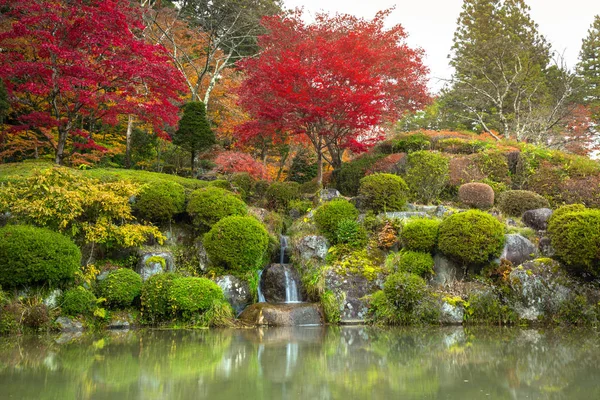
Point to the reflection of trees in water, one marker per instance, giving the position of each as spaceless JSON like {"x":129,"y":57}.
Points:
{"x":298,"y":363}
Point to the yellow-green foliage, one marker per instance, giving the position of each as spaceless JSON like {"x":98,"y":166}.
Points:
{"x":471,"y":237}
{"x":384,"y":192}
{"x":358,"y":262}
{"x":120,"y":287}
{"x":209,"y":205}
{"x":516,"y":202}
{"x":328,"y":216}
{"x":417,"y":263}
{"x":427,"y":173}
{"x":569,"y":208}
{"x":189,"y":296}
{"x":279,"y":195}
{"x":405,"y":290}
{"x":78,"y":301}
{"x":486,"y":308}
{"x":61,"y":200}
{"x":420,"y":234}
{"x":155,"y":297}
{"x":160,"y":201}
{"x":331,"y":307}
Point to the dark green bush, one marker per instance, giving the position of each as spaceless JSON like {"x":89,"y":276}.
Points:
{"x":384,"y":192}
{"x":310,"y":187}
{"x":471,"y":237}
{"x":243,"y":183}
{"x":328,"y":216}
{"x":31,"y":256}
{"x":414,"y":262}
{"x":576,"y":239}
{"x":155,"y":297}
{"x":209,"y":205}
{"x":303,"y":168}
{"x":411,"y":143}
{"x":347,"y":177}
{"x":237,"y":243}
{"x":420,"y":234}
{"x":405,"y":290}
{"x":350,"y":232}
{"x":427,"y":173}
{"x":516,"y":202}
{"x":160,"y":201}
{"x":78,"y":301}
{"x":193,"y":295}
{"x":120,"y":287}
{"x":279,"y":194}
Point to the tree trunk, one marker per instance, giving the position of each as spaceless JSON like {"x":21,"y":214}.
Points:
{"x":320,"y":167}
{"x":128,"y":142}
{"x":193,"y":151}
{"x":60,"y":147}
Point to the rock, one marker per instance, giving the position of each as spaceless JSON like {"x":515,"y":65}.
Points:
{"x":311,"y":247}
{"x":271,"y":222}
{"x":404,"y":214}
{"x":350,"y":291}
{"x":329,"y":194}
{"x":446,"y":271}
{"x":203,"y":259}
{"x":154,"y":261}
{"x":53,"y":298}
{"x":120,"y":322}
{"x":441,"y":212}
{"x":359,"y":202}
{"x":510,"y":222}
{"x":236,"y":291}
{"x":282,"y":314}
{"x":259,"y":213}
{"x":537,"y":219}
{"x":545,"y":247}
{"x":66,"y":324}
{"x":421,"y":208}
{"x":451,"y":314}
{"x":518,"y":249}
{"x":278,"y":281}
{"x":179,"y":234}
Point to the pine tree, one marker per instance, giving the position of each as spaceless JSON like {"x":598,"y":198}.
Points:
{"x":588,"y":68}
{"x":194,"y":133}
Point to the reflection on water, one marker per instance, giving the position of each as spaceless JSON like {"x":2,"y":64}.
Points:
{"x":301,"y":363}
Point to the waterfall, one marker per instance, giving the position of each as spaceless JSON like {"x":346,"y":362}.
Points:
{"x":283,"y":242}
{"x":261,"y":296}
{"x":291,"y":289}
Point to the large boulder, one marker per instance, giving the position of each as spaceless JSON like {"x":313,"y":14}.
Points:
{"x":121,"y":322}
{"x":282,"y":314}
{"x":329,"y":194}
{"x":66,"y":324}
{"x":451,"y":313}
{"x":546,"y":248}
{"x":154,"y":261}
{"x":281,"y":283}
{"x":236,"y":291}
{"x":311,"y":248}
{"x":446,"y":271}
{"x":537,"y":219}
{"x":518,"y":249}
{"x":350,"y":290}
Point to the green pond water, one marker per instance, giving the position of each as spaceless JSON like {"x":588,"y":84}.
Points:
{"x":304,"y":363}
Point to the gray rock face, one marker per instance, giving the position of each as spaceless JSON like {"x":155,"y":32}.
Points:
{"x":52,"y":299}
{"x":236,"y":291}
{"x":441,"y":211}
{"x":179,"y":234}
{"x":154,"y":262}
{"x":451,"y":314}
{"x":446,"y":271}
{"x":518,"y":249}
{"x":120,"y":322}
{"x":537,"y":219}
{"x":282,"y":314}
{"x":278,"y":281}
{"x":350,"y":291}
{"x":421,"y":208}
{"x":66,"y":324}
{"x":311,"y":247}
{"x":545,"y":247}
{"x":404,"y":214}
{"x":329,"y":194}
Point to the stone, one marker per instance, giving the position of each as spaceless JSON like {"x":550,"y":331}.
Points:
{"x":350,"y":291}
{"x":537,"y":219}
{"x":404,"y":215}
{"x":282,"y":314}
{"x":277,"y":279}
{"x":546,"y":248}
{"x":179,"y":234}
{"x":53,"y":298}
{"x":441,"y":212}
{"x":66,"y":324}
{"x":421,"y":208}
{"x":329,"y":194}
{"x":120,"y":322}
{"x":154,"y":261}
{"x":451,"y":314}
{"x":311,"y":247}
{"x":518,"y":249}
{"x":236,"y":291}
{"x":203,"y":260}
{"x":446,"y":271}
{"x":359,"y":202}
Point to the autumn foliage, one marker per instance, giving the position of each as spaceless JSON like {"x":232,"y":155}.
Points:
{"x":229,"y":162}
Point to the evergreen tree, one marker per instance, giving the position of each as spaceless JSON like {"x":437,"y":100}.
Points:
{"x":194,"y":133}
{"x":588,"y":69}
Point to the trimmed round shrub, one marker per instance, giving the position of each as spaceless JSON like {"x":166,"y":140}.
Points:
{"x":471,"y":237}
{"x":78,"y":301}
{"x":427,"y":173}
{"x":576,"y":239}
{"x":413,"y":262}
{"x":279,"y":194}
{"x":384,"y":192}
{"x":155,"y":296}
{"x":207,"y":206}
{"x":405,"y":290}
{"x":237,"y":243}
{"x":411,"y":143}
{"x":329,"y":215}
{"x":420,"y":234}
{"x":31,"y":256}
{"x":192,"y":295}
{"x":120,"y":287}
{"x":516,"y":202}
{"x":310,"y":187}
{"x":243,"y":183}
{"x":347,"y":177}
{"x":160,"y":201}
{"x":476,"y":195}
{"x":569,"y":208}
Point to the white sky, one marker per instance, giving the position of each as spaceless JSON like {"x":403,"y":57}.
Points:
{"x":431,"y":24}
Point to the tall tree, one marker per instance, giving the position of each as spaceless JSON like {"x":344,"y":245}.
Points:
{"x":588,"y":69}
{"x":331,"y":82}
{"x":194,"y":133}
{"x":67,"y":61}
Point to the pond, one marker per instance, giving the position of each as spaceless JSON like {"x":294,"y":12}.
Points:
{"x":304,"y":363}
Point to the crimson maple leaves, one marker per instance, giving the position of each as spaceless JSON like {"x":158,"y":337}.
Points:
{"x":331,"y":82}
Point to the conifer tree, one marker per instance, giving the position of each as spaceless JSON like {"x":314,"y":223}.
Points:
{"x":588,"y":69}
{"x":194,"y":133}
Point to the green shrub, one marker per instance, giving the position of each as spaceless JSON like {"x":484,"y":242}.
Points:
{"x":414,"y":262}
{"x":310,"y":187}
{"x":237,"y":243}
{"x":405,"y":290}
{"x":209,"y":205}
{"x":477,"y":195}
{"x":328,"y":216}
{"x":411,"y":143}
{"x":192,"y":295}
{"x":155,"y":297}
{"x":120,"y":287}
{"x":31,"y":256}
{"x":331,"y":307}
{"x":352,"y":233}
{"x":220,"y":314}
{"x":426,"y":175}
{"x":461,"y":146}
{"x":300,"y":206}
{"x":279,"y":194}
{"x":78,"y":301}
{"x":304,"y":167}
{"x":243,"y":183}
{"x":221,"y":184}
{"x":516,"y":202}
{"x":347,"y":177}
{"x":384,"y":192}
{"x":569,"y":208}
{"x":420,"y":234}
{"x":471,"y":237}
{"x":576,"y":239}
{"x":160,"y":201}
{"x":486,"y":308}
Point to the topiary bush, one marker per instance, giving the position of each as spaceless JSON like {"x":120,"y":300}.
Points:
{"x":347,"y":177}
{"x":476,"y":195}
{"x":516,"y":202}
{"x":155,"y":297}
{"x":420,"y":234}
{"x":279,"y":195}
{"x":237,"y":243}
{"x":160,"y":201}
{"x":209,"y":205}
{"x":120,"y":287}
{"x":575,"y":237}
{"x":411,"y":143}
{"x":471,"y":237}
{"x":188,"y":296}
{"x":78,"y":301}
{"x":31,"y":256}
{"x":426,"y":175}
{"x":414,"y":262}
{"x":405,"y":290}
{"x":243,"y":184}
{"x":569,"y":208}
{"x":384,"y":192}
{"x":328,"y":216}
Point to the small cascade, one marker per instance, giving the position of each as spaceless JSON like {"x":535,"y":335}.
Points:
{"x":291,"y":289}
{"x":284,"y":244}
{"x":261,"y":296}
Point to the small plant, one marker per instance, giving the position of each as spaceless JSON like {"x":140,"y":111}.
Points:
{"x":331,"y":307}
{"x":78,"y":301}
{"x":120,"y":287}
{"x":384,"y":192}
{"x":420,"y":234}
{"x":207,"y":206}
{"x":414,"y":262}
{"x":189,"y":296}
{"x":516,"y":202}
{"x":328,"y":216}
{"x":351,"y":233}
{"x":387,"y":237}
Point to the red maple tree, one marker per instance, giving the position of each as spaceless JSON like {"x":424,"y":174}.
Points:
{"x":68,"y":62}
{"x":330,"y":82}
{"x":229,"y":162}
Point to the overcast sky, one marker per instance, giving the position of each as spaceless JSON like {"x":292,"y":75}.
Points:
{"x":431,"y":24}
